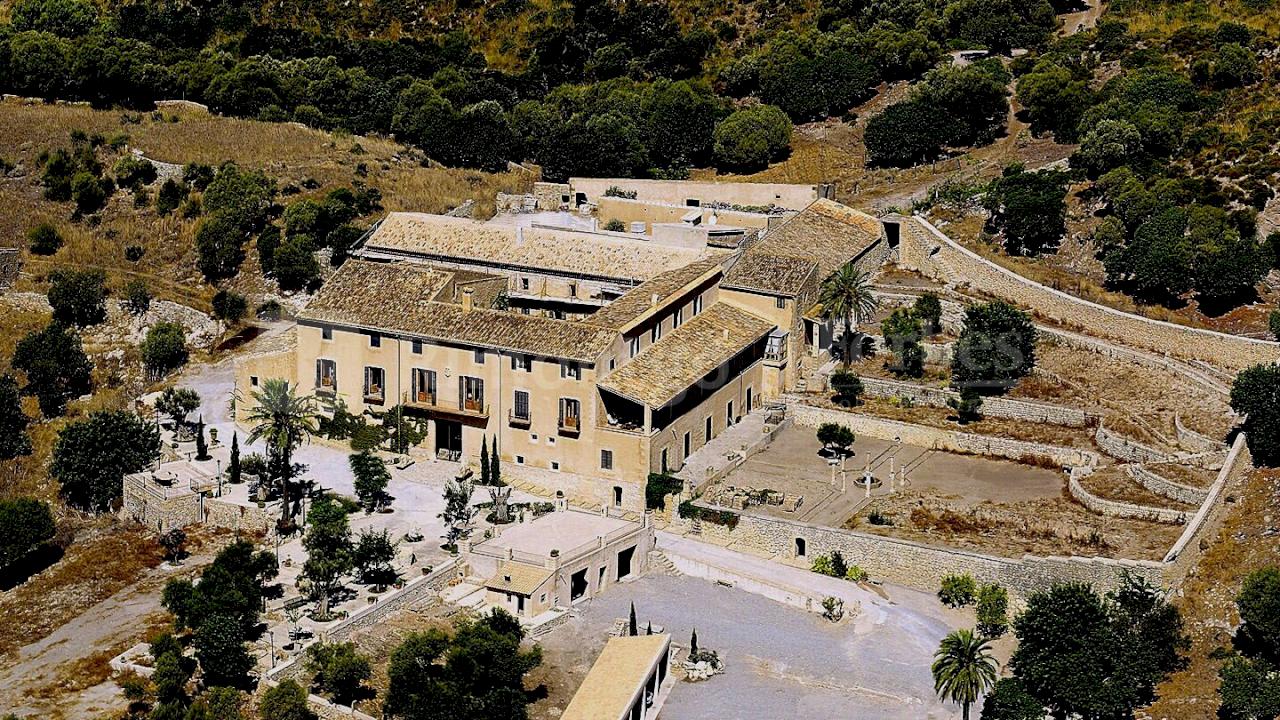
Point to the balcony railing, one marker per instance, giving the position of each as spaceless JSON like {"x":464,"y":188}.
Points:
{"x":432,"y":402}
{"x":777,"y":355}
{"x":517,"y":419}
{"x":571,"y":424}
{"x":374,"y":394}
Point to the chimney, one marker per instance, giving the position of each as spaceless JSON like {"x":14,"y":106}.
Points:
{"x":466,"y":300}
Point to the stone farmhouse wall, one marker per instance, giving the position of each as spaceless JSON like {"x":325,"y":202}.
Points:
{"x":805,"y":415}
{"x":1122,"y":448}
{"x":920,"y":566}
{"x":926,"y":249}
{"x":995,"y":406}
{"x":161,"y":511}
{"x":1118,"y":509}
{"x":1165,"y":487}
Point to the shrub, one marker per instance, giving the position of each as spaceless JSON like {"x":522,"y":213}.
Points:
{"x":44,"y":239}
{"x":90,"y":192}
{"x":1273,"y":323}
{"x":229,"y":306}
{"x":875,"y":517}
{"x":170,"y":196}
{"x":286,"y":701}
{"x":366,"y":437}
{"x":78,"y":297}
{"x":690,"y":511}
{"x":220,"y":247}
{"x":658,"y":487}
{"x":855,"y":574}
{"x":1259,"y":606}
{"x":848,"y":388}
{"x":615,"y":225}
{"x":958,"y":590}
{"x":165,"y":348}
{"x":133,"y":172}
{"x":338,"y":670}
{"x":137,"y":296}
{"x":993,"y":611}
{"x":751,"y":137}
{"x":25,"y":524}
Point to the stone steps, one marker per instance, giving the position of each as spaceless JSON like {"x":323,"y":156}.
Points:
{"x":661,"y":564}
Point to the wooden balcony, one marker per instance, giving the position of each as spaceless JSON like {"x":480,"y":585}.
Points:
{"x":432,"y":405}
{"x":521,"y":421}
{"x":570,"y":425}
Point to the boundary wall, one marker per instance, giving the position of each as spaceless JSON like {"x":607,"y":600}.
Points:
{"x":926,"y":249}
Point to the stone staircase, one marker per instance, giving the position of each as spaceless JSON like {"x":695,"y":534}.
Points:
{"x":659,"y":563}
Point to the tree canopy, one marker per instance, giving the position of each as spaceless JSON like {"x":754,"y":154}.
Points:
{"x":92,"y":456}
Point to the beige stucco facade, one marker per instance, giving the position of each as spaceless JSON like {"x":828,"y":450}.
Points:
{"x":695,"y":193}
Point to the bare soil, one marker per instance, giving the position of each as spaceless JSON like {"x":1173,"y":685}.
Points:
{"x":1113,"y":483}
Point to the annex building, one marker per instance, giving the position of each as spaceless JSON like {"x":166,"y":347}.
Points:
{"x":590,"y":358}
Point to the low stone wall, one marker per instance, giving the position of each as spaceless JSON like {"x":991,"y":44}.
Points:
{"x":1122,"y":448}
{"x":1139,"y":357}
{"x":1118,"y":509}
{"x":1192,"y":440}
{"x":414,"y":592}
{"x":928,"y":250}
{"x":1164,"y":487}
{"x":1237,"y":464}
{"x":937,"y":438}
{"x":239,"y":518}
{"x":922,"y":567}
{"x":579,"y":490}
{"x":1024,"y":410}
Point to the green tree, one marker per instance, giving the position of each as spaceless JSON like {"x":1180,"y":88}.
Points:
{"x":958,"y":590}
{"x":233,"y":463}
{"x":846,"y":296}
{"x":1259,"y":606}
{"x":89,"y":192}
{"x":230,"y":587}
{"x":78,"y":297}
{"x":328,"y":545}
{"x":968,"y":406}
{"x":220,"y":246}
{"x":137,"y":296}
{"x":1273,"y":323}
{"x":995,"y":349}
{"x":286,"y":701}
{"x":474,"y":674}
{"x":1250,"y":690}
{"x":229,"y":306}
{"x":244,"y":197}
{"x":963,"y":669}
{"x":1054,"y":98}
{"x":1111,"y":143}
{"x":165,"y":348}
{"x":903,"y":134}
{"x":25,"y":524}
{"x":835,"y":437}
{"x":170,"y":196}
{"x":14,"y":438}
{"x":457,"y":511}
{"x":294,"y":263}
{"x":92,"y":456}
{"x":217,"y":703}
{"x":133,"y":172}
{"x":993,"y":611}
{"x":752,"y":137}
{"x":1255,"y":394}
{"x":66,"y":18}
{"x":1029,"y":208}
{"x":484,"y":460}
{"x":285,"y":420}
{"x":847,"y":387}
{"x":177,"y":403}
{"x":1008,"y":700}
{"x":44,"y":239}
{"x":371,"y":478}
{"x":1235,"y":66}
{"x":56,"y":367}
{"x":902,"y":335}
{"x":339,"y":670}
{"x":170,"y":679}
{"x":928,"y":308}
{"x":372,"y":557}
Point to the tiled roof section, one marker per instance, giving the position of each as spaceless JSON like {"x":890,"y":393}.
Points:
{"x":563,"y":251}
{"x":825,"y":233}
{"x":637,"y":302}
{"x":518,"y":578}
{"x":398,"y":298}
{"x":668,"y":367}
{"x":615,"y":679}
{"x":770,"y":273}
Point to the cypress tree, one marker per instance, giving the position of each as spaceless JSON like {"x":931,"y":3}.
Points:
{"x":233,"y":468}
{"x":634,"y":631}
{"x":202,"y":449}
{"x":693,"y":643}
{"x":484,"y":460}
{"x":495,"y":468}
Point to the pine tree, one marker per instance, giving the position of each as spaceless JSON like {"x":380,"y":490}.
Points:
{"x":202,"y":449}
{"x":495,"y":468}
{"x":233,"y":468}
{"x":693,"y":643}
{"x":484,"y":460}
{"x":632,"y":629}
{"x":648,"y":630}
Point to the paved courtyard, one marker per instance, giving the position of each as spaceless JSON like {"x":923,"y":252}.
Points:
{"x":793,"y":464}
{"x":781,"y":662}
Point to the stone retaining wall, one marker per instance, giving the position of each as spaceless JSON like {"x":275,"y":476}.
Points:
{"x":1192,"y":440}
{"x":1122,"y":448}
{"x":1139,"y":357}
{"x":805,"y":415}
{"x":414,"y":592}
{"x":926,"y":249}
{"x":1184,"y":552}
{"x":1166,"y":488}
{"x":1024,"y":410}
{"x":1118,"y":509}
{"x":922,"y":567}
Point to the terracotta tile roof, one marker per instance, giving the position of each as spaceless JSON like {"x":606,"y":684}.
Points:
{"x":617,"y":678}
{"x":563,"y":251}
{"x":826,"y":234}
{"x":638,"y":301}
{"x":400,"y":298}
{"x":673,"y":364}
{"x":777,"y":274}
{"x":518,"y":578}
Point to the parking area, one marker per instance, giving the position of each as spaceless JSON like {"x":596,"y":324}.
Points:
{"x":780,"y":662}
{"x":794,"y":464}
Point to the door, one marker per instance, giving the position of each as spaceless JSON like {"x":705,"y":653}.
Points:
{"x":748,"y":410}
{"x":424,"y":386}
{"x":519,"y":604}
{"x":448,"y":436}
{"x":686,"y":446}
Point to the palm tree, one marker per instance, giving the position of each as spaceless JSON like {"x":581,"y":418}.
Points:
{"x":846,"y":295}
{"x":963,"y":668}
{"x":285,"y":420}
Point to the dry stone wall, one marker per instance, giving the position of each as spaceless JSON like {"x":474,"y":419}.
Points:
{"x":1165,"y":487}
{"x":926,"y":249}
{"x":1118,"y":509}
{"x":418,"y":590}
{"x":995,"y":406}
{"x":1122,"y":448}
{"x":805,"y":415}
{"x":1192,"y":440}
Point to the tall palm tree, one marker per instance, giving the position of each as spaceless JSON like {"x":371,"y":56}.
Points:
{"x":846,"y":295}
{"x":285,"y":420}
{"x":963,"y":669}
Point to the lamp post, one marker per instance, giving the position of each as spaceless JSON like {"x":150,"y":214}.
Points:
{"x":271,"y":635}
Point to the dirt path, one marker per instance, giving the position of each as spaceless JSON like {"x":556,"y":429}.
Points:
{"x":30,"y":680}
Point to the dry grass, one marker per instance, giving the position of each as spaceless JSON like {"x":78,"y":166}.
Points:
{"x":1207,"y":599}
{"x":107,"y":555}
{"x":1113,"y":483}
